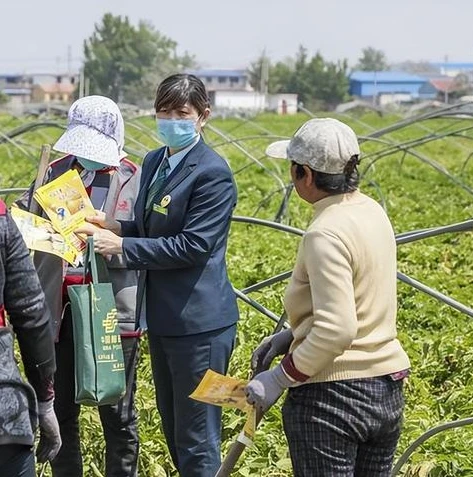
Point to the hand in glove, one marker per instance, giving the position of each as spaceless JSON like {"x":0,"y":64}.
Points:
{"x":272,"y":346}
{"x":266,"y":388}
{"x":49,"y":435}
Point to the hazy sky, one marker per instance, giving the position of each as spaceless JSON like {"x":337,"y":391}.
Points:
{"x":35,"y":35}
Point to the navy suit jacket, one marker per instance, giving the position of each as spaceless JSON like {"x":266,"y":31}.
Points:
{"x":180,"y":246}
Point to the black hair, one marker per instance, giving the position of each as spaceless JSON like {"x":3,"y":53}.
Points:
{"x":334,"y":183}
{"x":177,"y":90}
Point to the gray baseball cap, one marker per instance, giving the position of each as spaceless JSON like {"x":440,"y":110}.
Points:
{"x":323,"y":144}
{"x":95,"y":131}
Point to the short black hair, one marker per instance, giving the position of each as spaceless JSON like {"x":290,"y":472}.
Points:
{"x":177,"y":90}
{"x":334,"y":183}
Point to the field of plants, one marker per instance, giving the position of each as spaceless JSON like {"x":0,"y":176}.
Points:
{"x":421,"y":173}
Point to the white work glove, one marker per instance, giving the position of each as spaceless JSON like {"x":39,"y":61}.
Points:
{"x":271,"y":346}
{"x":49,"y":435}
{"x":266,"y":388}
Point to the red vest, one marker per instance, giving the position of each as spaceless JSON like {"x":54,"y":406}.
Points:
{"x":3,"y":212}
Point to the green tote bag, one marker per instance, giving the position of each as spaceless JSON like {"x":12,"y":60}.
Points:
{"x":99,"y":368}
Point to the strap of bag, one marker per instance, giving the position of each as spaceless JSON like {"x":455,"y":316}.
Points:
{"x":95,"y":264}
{"x":90,"y":263}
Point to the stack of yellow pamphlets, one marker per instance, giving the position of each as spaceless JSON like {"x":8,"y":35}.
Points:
{"x":67,"y":204}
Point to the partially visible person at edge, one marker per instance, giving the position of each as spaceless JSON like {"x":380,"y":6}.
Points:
{"x":178,"y":241}
{"x":343,"y":364}
{"x":23,"y":405}
{"x":93,"y":143}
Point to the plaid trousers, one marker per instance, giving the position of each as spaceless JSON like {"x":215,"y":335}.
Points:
{"x":344,"y":428}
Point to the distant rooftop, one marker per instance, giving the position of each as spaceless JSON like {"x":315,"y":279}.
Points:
{"x":57,"y":88}
{"x":17,"y":91}
{"x":443,"y":84}
{"x":386,"y":77}
{"x":11,"y":75}
{"x":217,"y":72}
{"x":452,"y":65}
{"x":4,"y":74}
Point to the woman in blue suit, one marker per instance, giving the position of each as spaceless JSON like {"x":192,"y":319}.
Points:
{"x":178,"y":242}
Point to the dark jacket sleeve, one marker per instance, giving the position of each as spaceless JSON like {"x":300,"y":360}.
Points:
{"x":207,"y":220}
{"x":129,"y":228}
{"x":25,"y":305}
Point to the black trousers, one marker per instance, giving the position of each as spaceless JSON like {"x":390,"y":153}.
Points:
{"x":119,"y":422}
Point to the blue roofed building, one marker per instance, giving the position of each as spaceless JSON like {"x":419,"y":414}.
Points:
{"x":385,"y":86}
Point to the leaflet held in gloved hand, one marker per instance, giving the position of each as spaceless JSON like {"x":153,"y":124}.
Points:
{"x":226,"y":391}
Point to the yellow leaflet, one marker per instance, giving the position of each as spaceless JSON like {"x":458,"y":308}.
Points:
{"x":221,"y":391}
{"x":66,"y":203}
{"x":250,"y":424}
{"x":39,"y":234}
{"x":225,"y":391}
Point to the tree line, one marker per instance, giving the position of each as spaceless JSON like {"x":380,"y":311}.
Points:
{"x":125,"y":62}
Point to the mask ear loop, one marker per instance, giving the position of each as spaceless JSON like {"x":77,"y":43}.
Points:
{"x":201,"y":126}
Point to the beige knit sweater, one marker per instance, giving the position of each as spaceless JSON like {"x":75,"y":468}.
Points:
{"x":341,"y":299}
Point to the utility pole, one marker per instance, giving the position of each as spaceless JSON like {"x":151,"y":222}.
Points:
{"x":264,"y":76}
{"x":81,"y":83}
{"x":69,"y":60}
{"x":375,"y":87}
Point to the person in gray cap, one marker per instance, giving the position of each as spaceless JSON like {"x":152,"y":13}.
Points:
{"x":343,"y":364}
{"x":93,"y":143}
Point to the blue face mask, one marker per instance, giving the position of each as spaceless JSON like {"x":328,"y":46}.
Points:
{"x":176,"y":133}
{"x":89,"y":165}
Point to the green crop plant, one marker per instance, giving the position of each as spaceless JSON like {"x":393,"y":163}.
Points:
{"x":438,"y":339}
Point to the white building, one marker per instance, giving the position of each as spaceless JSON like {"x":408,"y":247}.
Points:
{"x":230,"y":91}
{"x":237,"y":100}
